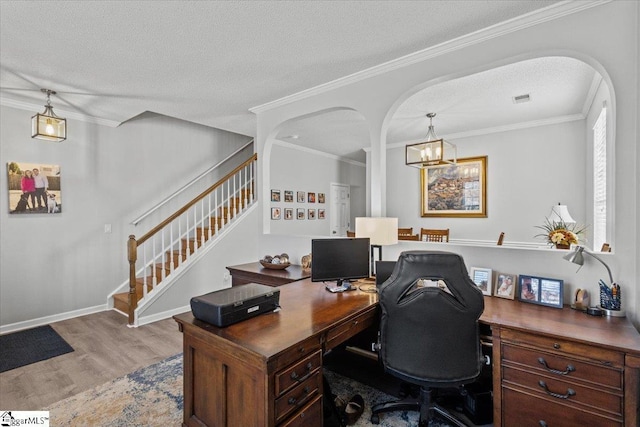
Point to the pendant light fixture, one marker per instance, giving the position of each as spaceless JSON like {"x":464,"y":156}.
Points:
{"x":433,"y":151}
{"x":47,"y":125}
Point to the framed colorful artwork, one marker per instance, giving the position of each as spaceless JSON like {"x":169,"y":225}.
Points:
{"x":455,"y":190}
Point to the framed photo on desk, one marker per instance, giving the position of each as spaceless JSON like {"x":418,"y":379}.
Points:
{"x":482,"y":278}
{"x":541,"y":290}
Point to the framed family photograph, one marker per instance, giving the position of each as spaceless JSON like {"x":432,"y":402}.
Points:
{"x":301,"y":197}
{"x":275,"y":213}
{"x":311,"y":197}
{"x":311,"y":214}
{"x":275,"y":195}
{"x":288,"y":196}
{"x":288,"y":213}
{"x":320,"y":197}
{"x":34,"y":188}
{"x":455,"y":190}
{"x":300,"y":213}
{"x":482,"y":278}
{"x":541,"y":290}
{"x":506,"y":285}
{"x":321,"y":214}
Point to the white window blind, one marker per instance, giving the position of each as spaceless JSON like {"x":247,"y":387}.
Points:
{"x":600,"y":180}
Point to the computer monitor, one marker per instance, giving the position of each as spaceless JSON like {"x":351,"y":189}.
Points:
{"x":339,"y":259}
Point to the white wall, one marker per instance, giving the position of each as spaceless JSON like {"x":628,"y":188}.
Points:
{"x":612,"y":50}
{"x":65,"y":263}
{"x":304,"y":170}
{"x":528,"y":171}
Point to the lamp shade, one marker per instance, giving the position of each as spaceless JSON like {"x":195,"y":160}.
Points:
{"x":380,"y":231}
{"x":560,"y":213}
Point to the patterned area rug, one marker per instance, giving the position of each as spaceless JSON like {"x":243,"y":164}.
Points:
{"x":152,"y":396}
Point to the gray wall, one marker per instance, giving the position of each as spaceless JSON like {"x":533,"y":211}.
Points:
{"x":52,"y":266}
{"x":302,"y":170}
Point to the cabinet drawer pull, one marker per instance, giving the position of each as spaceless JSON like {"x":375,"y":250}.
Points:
{"x":570,"y":391}
{"x":543,"y":423}
{"x":298,"y":378}
{"x":570,"y":368}
{"x":299,"y":400}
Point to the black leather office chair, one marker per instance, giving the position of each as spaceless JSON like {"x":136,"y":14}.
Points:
{"x":428,"y":332}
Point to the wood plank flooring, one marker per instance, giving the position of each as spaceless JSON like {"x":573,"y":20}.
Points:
{"x":105,"y":349}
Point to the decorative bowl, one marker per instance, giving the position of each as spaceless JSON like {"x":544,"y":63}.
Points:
{"x":274,"y":266}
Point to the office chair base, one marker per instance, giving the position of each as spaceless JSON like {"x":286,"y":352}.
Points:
{"x":423,"y":404}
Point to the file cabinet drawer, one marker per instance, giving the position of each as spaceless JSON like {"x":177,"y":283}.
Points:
{"x":563,"y":367}
{"x":565,"y":392}
{"x":524,"y":410}
{"x":297,"y":372}
{"x":309,"y":416}
{"x":298,"y":396}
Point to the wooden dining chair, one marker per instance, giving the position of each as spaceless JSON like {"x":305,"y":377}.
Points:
{"x":408,"y":231}
{"x":434,"y":235}
{"x":415,"y":237}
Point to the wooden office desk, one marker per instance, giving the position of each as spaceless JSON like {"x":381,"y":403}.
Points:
{"x":266,"y":371}
{"x":254,"y":272}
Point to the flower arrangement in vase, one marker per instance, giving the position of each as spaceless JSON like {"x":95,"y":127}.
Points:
{"x":560,"y":234}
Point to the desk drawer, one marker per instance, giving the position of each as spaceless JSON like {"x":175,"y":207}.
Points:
{"x":309,"y":416}
{"x":525,"y":410}
{"x":296,"y":352}
{"x":558,"y":346}
{"x":298,"y":372}
{"x":298,"y":396}
{"x":562,"y":367}
{"x":346,"y":330}
{"x":564,"y":392}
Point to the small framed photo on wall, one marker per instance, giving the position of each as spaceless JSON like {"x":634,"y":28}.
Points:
{"x":311,"y":197}
{"x":541,"y":290}
{"x":321,"y":214}
{"x":275,"y":195}
{"x":320,"y":197}
{"x":301,"y":197}
{"x":482,"y":278}
{"x":288,"y":213}
{"x":506,"y":285}
{"x":311,"y":214}
{"x":275,"y":213}
{"x":288,"y":196}
{"x":300,"y":213}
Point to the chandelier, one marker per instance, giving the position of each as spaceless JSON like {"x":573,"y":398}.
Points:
{"x":434,"y":151}
{"x":47,"y":125}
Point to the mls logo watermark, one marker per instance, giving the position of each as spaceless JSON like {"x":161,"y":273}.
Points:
{"x":24,"y":418}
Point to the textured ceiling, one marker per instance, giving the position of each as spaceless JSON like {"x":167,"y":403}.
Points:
{"x":210,"y":61}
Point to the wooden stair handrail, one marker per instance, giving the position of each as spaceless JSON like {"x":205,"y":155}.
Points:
{"x":132,"y":243}
{"x":201,"y":196}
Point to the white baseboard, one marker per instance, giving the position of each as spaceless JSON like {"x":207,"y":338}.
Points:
{"x":143,"y":320}
{"x":18,"y":326}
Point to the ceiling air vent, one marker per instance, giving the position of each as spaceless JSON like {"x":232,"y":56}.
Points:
{"x":521,"y":98}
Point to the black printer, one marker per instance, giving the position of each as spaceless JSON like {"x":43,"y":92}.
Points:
{"x":232,"y":305}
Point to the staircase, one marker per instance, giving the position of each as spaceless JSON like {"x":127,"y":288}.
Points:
{"x":156,"y":258}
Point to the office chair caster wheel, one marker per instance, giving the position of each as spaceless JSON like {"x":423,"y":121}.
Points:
{"x":375,"y":419}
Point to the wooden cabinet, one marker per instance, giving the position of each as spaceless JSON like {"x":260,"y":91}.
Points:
{"x":562,"y":368}
{"x":555,"y":382}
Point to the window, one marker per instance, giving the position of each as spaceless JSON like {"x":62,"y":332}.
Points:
{"x":600,"y":180}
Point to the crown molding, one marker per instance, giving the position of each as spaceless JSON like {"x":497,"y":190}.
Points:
{"x":66,"y":114}
{"x":318,"y":153}
{"x":549,"y":13}
{"x":498,"y":129}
